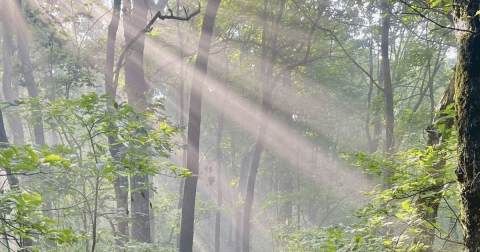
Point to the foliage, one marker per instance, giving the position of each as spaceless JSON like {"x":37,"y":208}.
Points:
{"x":393,"y":219}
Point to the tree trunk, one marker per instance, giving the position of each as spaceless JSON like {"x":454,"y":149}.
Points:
{"x":194,"y":120}
{"x":387,"y":85}
{"x":286,"y":210}
{"x":24,"y":57}
{"x":467,"y":115}
{"x":370,"y":141}
{"x":241,"y":192}
{"x":181,"y":108}
{"x":267,"y":91}
{"x":221,"y":125}
{"x":121,"y":182}
{"x":221,"y":120}
{"x":15,"y":123}
{"x":137,"y":92}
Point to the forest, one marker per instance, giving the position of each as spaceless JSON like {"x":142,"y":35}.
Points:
{"x":240,"y":125}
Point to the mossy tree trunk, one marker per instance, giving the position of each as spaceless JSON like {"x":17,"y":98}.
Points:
{"x":467,"y":117}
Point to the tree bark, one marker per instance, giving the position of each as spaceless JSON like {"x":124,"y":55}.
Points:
{"x":194,"y":120}
{"x":467,"y":115}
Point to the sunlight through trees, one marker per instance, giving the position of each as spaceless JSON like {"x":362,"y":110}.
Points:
{"x":209,"y":125}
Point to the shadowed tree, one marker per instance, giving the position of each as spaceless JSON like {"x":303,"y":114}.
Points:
{"x":27,"y":70}
{"x":121,"y":182}
{"x":135,"y":20}
{"x":387,"y":84}
{"x":15,"y":123}
{"x":267,"y":87}
{"x":194,"y":120}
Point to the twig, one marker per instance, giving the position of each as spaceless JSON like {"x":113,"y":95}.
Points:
{"x":90,"y":28}
{"x":456,"y":216}
{"x":431,"y":20}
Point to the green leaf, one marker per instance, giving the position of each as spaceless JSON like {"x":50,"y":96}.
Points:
{"x":25,"y":167}
{"x":52,"y":158}
{"x":108,"y":170}
{"x":32,"y":153}
{"x":7,"y":153}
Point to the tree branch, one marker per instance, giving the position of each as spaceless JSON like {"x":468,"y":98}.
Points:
{"x":431,"y":20}
{"x":341,"y":46}
{"x":149,"y":28}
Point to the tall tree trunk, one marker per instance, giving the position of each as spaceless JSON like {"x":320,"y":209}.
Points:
{"x":110,"y":55}
{"x":181,"y":110}
{"x":15,"y":123}
{"x":24,"y":57}
{"x":286,"y":210}
{"x":267,"y":91}
{"x":387,"y":85}
{"x":220,"y":126}
{"x":221,"y":120}
{"x":194,"y":120}
{"x":121,"y":182}
{"x":467,"y":115}
{"x":369,"y":101}
{"x":137,"y":91}
{"x":241,"y":192}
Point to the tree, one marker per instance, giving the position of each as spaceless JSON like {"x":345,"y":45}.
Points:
{"x":194,"y":120}
{"x":467,"y":114}
{"x":387,"y":84}
{"x":121,"y":182}
{"x":8,"y":50}
{"x":27,"y":70}
{"x":267,"y":87}
{"x":137,"y":92}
